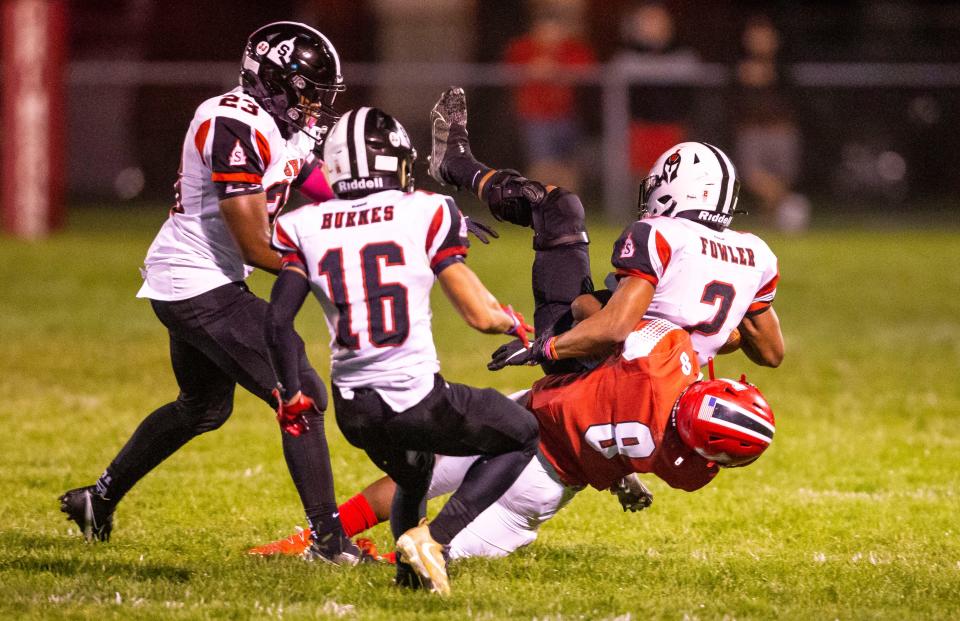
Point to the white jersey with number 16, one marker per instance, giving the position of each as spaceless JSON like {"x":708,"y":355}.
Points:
{"x":371,"y":263}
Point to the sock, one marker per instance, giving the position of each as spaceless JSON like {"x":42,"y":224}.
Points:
{"x":357,"y":515}
{"x":462,"y":168}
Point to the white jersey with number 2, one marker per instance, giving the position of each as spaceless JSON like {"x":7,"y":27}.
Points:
{"x":705,"y":281}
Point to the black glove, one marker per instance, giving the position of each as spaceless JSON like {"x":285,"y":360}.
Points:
{"x":480,"y":230}
{"x":632,"y":493}
{"x":515,"y":353}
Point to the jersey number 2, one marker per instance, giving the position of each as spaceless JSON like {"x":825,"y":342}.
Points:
{"x":714,"y":290}
{"x":388,"y":322}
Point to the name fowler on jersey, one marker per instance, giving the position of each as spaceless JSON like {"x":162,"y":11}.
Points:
{"x":343,"y":219}
{"x":725,"y":252}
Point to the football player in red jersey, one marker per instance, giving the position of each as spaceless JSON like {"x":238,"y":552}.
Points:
{"x":640,"y":410}
{"x":243,"y":151}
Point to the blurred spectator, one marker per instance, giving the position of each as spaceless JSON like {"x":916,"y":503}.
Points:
{"x":768,"y":142}
{"x":660,"y":114}
{"x":545,"y":103}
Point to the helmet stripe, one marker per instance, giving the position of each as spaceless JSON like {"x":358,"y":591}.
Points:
{"x":349,"y":118}
{"x":356,"y":133}
{"x":728,"y":415}
{"x":725,"y":174}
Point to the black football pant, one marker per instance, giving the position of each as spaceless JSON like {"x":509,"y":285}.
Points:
{"x":216,"y":342}
{"x":561,"y":270}
{"x":453,"y":419}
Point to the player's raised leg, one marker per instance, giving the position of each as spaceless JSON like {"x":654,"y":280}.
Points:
{"x":561,"y":267}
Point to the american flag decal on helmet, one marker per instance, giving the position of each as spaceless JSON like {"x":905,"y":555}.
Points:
{"x":736,"y":418}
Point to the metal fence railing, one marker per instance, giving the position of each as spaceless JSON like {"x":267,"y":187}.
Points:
{"x":613,"y":80}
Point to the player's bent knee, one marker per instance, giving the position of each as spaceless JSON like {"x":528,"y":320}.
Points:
{"x":312,"y":386}
{"x":209,"y":415}
{"x":560,"y":221}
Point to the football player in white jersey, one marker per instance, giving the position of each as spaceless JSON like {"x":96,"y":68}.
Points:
{"x":243,"y":151}
{"x":678,"y":262}
{"x":371,"y":258}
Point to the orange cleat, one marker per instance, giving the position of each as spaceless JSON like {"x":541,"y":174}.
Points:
{"x":369,"y":548}
{"x":294,"y":545}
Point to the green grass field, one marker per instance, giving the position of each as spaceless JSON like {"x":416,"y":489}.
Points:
{"x":852,"y":514}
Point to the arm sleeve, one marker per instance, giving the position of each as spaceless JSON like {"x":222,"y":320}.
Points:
{"x":239,"y":155}
{"x":312,"y":182}
{"x":764,"y":297}
{"x":287,"y":297}
{"x":641,"y":251}
{"x":446,"y":242}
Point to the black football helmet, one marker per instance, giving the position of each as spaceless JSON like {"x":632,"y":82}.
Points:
{"x":293,"y":72}
{"x":368,"y":151}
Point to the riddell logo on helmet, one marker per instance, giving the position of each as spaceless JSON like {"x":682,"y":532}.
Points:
{"x":359,"y":184}
{"x":719,"y":218}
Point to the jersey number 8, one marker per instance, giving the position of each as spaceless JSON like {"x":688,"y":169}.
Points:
{"x":630,"y":438}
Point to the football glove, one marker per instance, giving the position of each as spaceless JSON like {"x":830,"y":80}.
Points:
{"x":291,"y":416}
{"x":480,"y":230}
{"x":517,"y":353}
{"x":632,"y":493}
{"x":520,"y":327}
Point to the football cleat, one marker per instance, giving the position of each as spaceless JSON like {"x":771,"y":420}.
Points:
{"x":369,"y":549}
{"x":294,"y":545}
{"x":448,"y":121}
{"x":334,"y":548}
{"x":90,"y":511}
{"x":406,"y":577}
{"x":418,"y":549}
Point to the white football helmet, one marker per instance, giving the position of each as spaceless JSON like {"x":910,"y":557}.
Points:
{"x":693,"y":180}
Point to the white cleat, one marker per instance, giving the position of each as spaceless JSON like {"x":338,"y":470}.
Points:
{"x":425,"y":557}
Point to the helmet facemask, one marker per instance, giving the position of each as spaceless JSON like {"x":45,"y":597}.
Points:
{"x":313,"y":113}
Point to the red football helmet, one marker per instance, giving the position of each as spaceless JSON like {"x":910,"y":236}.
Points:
{"x":725,"y":421}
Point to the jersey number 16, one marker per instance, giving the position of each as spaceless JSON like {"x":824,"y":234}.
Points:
{"x":385,"y":301}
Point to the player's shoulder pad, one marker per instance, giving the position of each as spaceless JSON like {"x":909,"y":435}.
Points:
{"x":238,"y":105}
{"x":760,"y":246}
{"x":649,"y":334}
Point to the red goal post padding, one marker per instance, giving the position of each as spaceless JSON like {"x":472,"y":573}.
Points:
{"x":34,"y":34}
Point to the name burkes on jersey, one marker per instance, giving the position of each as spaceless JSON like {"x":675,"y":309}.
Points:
{"x":358,"y":217}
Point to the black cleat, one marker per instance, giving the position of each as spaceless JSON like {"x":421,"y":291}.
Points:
{"x":335,"y":548}
{"x":90,"y":511}
{"x":406,"y":577}
{"x":448,"y":132}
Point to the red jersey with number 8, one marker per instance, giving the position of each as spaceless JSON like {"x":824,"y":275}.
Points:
{"x":598,"y":427}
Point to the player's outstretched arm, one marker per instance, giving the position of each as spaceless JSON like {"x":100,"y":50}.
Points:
{"x":761,"y":338}
{"x":246,"y":217}
{"x":476,"y":304}
{"x":599,"y":333}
